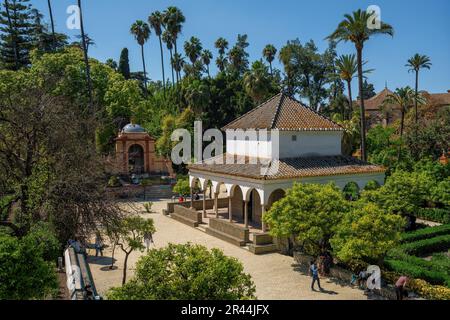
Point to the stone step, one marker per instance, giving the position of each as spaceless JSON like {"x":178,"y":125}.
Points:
{"x":262,"y":249}
{"x":184,"y":220}
{"x":226,"y":237}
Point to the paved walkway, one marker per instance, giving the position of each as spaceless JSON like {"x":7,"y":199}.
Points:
{"x":275,"y":275}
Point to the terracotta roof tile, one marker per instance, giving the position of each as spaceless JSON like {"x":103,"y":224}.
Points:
{"x":292,"y":167}
{"x":283,"y":113}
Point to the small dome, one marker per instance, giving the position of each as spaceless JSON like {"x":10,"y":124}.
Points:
{"x":133,"y":128}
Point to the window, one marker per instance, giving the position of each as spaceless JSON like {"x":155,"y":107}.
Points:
{"x":294,"y":137}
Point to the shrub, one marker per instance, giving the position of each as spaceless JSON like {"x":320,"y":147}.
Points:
{"x":426,"y":246}
{"x":372,"y":185}
{"x":148,"y":207}
{"x":113,"y":182}
{"x":434,"y":214}
{"x":426,"y":233}
{"x":351,"y":191}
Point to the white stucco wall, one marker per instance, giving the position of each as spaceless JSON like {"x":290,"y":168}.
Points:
{"x":308,"y":143}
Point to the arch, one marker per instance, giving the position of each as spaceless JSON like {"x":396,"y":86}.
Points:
{"x":195,"y":183}
{"x":136,"y":158}
{"x":255,"y":207}
{"x":275,"y":196}
{"x":237,"y":203}
{"x":351,"y":191}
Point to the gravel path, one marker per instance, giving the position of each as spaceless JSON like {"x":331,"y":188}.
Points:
{"x":275,"y":275}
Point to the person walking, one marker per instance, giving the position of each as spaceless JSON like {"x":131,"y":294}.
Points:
{"x":400,"y":287}
{"x":148,"y":239}
{"x":98,"y":245}
{"x":315,"y":275}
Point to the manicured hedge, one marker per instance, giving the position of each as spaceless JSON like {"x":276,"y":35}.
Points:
{"x":426,"y":233}
{"x":434,"y":214}
{"x":426,"y":246}
{"x":417,"y":271}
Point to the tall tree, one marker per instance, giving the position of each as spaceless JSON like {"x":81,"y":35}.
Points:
{"x":141,"y":32}
{"x":178,"y":63}
{"x":86,"y":60}
{"x":415,"y":63}
{"x":124,"y":64}
{"x":238,"y":56}
{"x":156,"y":22}
{"x":206,"y":59}
{"x":193,"y":49}
{"x":355,"y":28}
{"x":403,"y":97}
{"x":168,"y":40}
{"x":257,"y":82}
{"x":269,"y":54}
{"x":221,"y":45}
{"x":174,"y":19}
{"x":52,"y":22}
{"x":16,"y":34}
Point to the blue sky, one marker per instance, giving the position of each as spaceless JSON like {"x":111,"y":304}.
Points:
{"x":420,"y":26}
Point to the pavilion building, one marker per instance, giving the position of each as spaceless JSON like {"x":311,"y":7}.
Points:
{"x":309,"y":152}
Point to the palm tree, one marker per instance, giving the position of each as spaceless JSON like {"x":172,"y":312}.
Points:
{"x":168,"y":40}
{"x":52,"y":21}
{"x":178,"y":63}
{"x":193,"y":49}
{"x":403,"y":97}
{"x":415,"y":63}
{"x":257,"y":82}
{"x":173,"y":18}
{"x":156,"y":22}
{"x":197,"y":95}
{"x":221,"y":44}
{"x":206,"y":59}
{"x":354,"y":28}
{"x":347,"y":68}
{"x":86,"y":59}
{"x":141,"y":32}
{"x":269,"y":53}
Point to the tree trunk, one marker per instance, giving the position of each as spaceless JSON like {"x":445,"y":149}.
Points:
{"x":145,"y":71}
{"x":402,"y":123}
{"x":112,"y":257}
{"x":52,"y":23}
{"x":86,"y":61}
{"x":271,"y":71}
{"x":350,"y":99}
{"x":415,"y":98}
{"x":162,"y":64}
{"x":361,"y":102}
{"x":13,"y":36}
{"x":171,"y":65}
{"x":125,"y":266}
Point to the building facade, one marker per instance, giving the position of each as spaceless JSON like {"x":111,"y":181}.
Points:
{"x":309,"y":152}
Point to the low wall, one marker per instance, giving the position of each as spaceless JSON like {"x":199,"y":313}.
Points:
{"x":198,"y":204}
{"x":188,"y":213}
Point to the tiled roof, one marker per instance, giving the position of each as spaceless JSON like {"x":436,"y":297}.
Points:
{"x":292,"y":167}
{"x":283,"y":113}
{"x":438,"y":99}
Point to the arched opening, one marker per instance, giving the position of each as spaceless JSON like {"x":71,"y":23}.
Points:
{"x":136,"y":159}
{"x":196,"y":188}
{"x":237,"y":203}
{"x":351,"y":191}
{"x":275,"y":196}
{"x":254,"y":209}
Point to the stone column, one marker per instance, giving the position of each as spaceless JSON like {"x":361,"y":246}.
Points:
{"x":216,"y":204}
{"x":246,"y":214}
{"x":204,"y":204}
{"x":263,"y":213}
{"x":230,"y":216}
{"x":192,"y":198}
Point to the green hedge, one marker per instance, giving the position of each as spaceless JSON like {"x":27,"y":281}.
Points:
{"x":419,"y":269}
{"x":434,"y":214}
{"x":426,"y":233}
{"x":426,"y":246}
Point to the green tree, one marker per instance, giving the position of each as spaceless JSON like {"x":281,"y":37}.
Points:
{"x":141,"y":32}
{"x":24,"y":273}
{"x":168,"y":40}
{"x":269,"y":53}
{"x":415,"y":63}
{"x":257,"y":82}
{"x":197,"y":95}
{"x":16,"y":31}
{"x":206,"y":60}
{"x":366,"y":233}
{"x":186,"y":272}
{"x":310,"y":212}
{"x":221,"y":45}
{"x":173,"y":19}
{"x":182,"y":187}
{"x":124,"y":64}
{"x":355,"y":28}
{"x":156,"y":22}
{"x":129,"y":236}
{"x":193,"y":49}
